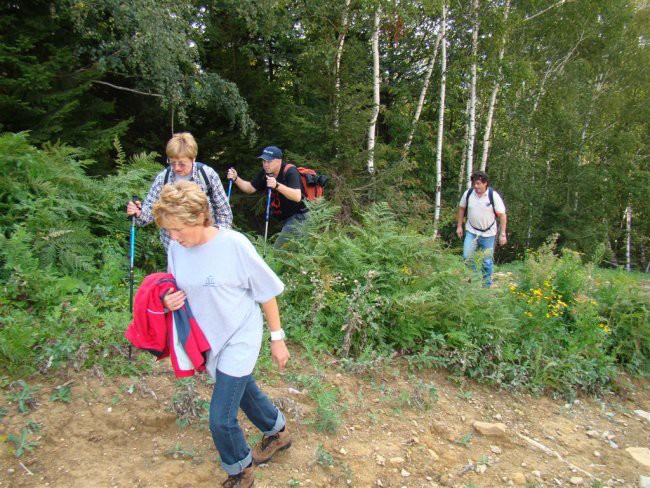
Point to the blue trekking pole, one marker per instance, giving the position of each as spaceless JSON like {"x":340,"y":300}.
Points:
{"x":229,"y":188}
{"x":266,"y":218}
{"x":131,"y":259}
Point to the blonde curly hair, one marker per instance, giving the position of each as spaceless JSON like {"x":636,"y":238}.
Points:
{"x":183,"y":202}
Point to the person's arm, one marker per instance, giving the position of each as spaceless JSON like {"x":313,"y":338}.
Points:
{"x":293,"y":194}
{"x":460,"y":217}
{"x":241,"y":183}
{"x":143,"y":211}
{"x":279,"y":351}
{"x":222,"y":211}
{"x":503,"y":222}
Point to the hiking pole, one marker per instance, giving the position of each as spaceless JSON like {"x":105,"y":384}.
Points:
{"x":131,"y":258}
{"x":266,"y":218}
{"x":229,"y":186}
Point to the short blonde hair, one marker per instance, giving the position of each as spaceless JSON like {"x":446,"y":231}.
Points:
{"x":182,"y":145}
{"x":183,"y":202}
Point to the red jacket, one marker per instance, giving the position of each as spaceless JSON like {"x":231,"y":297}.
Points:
{"x":165,"y":334}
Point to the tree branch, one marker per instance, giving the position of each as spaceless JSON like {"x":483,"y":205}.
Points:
{"x":123,"y":88}
{"x":561,"y":2}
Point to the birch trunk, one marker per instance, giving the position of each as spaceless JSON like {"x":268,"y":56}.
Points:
{"x":461,"y":171}
{"x":472,"y":97}
{"x":441,"y":119}
{"x":493,"y":97}
{"x":628,"y":236}
{"x":423,"y":95}
{"x":376,"y":80}
{"x":337,"y":64}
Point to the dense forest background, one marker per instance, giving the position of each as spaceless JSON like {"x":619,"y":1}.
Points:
{"x":551,"y":97}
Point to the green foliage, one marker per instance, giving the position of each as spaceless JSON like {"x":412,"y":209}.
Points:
{"x":187,"y":403}
{"x":65,"y":298}
{"x":328,"y":408}
{"x":372,"y":288}
{"x":23,"y":394}
{"x":323,"y":456}
{"x":21,"y":442}
{"x":61,"y":394}
{"x":362,"y":289}
{"x":180,"y":452}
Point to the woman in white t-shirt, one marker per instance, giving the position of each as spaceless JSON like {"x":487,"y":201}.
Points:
{"x":225,"y":281}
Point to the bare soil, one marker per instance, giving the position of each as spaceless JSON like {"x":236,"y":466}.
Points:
{"x":120,"y":432}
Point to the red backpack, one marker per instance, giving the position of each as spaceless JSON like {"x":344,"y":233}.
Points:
{"x":312,"y":184}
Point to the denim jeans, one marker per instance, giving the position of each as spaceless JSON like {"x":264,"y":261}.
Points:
{"x":290,"y":226}
{"x":486,"y":246}
{"x":228,"y":396}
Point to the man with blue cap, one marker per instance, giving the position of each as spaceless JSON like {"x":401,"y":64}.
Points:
{"x":286,"y":194}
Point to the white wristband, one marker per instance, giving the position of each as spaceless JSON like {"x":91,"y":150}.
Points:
{"x":277,"y":335}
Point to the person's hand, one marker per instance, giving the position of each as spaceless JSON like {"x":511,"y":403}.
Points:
{"x":459,"y":231}
{"x":271,"y":182}
{"x":232,"y":174}
{"x":279,"y":353}
{"x":502,"y":239}
{"x":133,"y":208}
{"x":174,"y":301}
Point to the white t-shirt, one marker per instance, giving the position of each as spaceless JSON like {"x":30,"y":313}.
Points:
{"x":225,"y":280}
{"x":480,"y":214}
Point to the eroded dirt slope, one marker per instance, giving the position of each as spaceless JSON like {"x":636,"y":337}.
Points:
{"x":120,"y":432}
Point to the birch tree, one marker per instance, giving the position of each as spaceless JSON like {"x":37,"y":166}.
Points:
{"x":441,"y":118}
{"x":376,"y":76}
{"x":472,"y":93}
{"x":493,"y":96}
{"x":628,"y":238}
{"x":337,"y":63}
{"x":423,"y":95}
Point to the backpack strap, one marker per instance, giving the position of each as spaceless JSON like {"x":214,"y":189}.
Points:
{"x":167,"y":172}
{"x":206,"y":181}
{"x":491,"y":197}
{"x":283,"y":170}
{"x":469,"y":192}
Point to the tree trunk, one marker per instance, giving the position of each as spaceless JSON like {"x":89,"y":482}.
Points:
{"x":441,"y":119}
{"x":337,"y":64}
{"x":493,"y":97}
{"x":628,"y":234}
{"x":461,"y":171}
{"x":376,"y":80}
{"x":423,"y":95}
{"x":472,"y":97}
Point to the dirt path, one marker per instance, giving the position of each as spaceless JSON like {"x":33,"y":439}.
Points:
{"x":119,"y":432}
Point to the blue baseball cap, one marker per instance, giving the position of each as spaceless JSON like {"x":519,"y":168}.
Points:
{"x":271,"y":152}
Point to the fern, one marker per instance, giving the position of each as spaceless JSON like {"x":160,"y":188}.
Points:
{"x":120,"y":158}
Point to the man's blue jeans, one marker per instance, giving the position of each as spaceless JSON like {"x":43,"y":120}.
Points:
{"x":485,"y":245}
{"x":228,"y":396}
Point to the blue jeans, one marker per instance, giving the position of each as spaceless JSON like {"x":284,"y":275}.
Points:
{"x":486,"y":246}
{"x":228,"y":396}
{"x":290,"y":226}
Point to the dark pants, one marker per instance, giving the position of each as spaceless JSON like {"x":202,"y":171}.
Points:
{"x":290,"y":226}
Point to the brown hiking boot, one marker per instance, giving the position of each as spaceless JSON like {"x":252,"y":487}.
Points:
{"x":245,"y":479}
{"x":269,"y":445}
